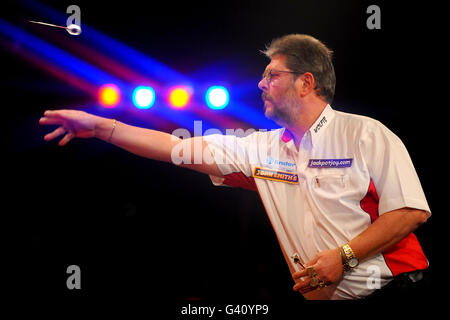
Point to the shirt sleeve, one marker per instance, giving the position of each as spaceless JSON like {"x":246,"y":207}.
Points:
{"x":232,"y":155}
{"x":391,"y":170}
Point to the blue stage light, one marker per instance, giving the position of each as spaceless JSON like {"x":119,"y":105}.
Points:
{"x":217,"y":97}
{"x":143,"y":97}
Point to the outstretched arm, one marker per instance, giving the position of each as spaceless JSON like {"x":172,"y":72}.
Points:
{"x":147,"y":143}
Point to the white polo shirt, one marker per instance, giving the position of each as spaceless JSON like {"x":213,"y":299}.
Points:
{"x":348,"y":170}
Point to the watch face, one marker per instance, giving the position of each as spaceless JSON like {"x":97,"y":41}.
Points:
{"x":353,"y":262}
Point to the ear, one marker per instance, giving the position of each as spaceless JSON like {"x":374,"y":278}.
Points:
{"x":306,"y":84}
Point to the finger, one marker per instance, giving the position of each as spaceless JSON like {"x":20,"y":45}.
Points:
{"x":52,"y":113}
{"x":304,"y":286}
{"x":69,"y":136}
{"x":50,"y":121}
{"x":301,"y":285}
{"x":307,"y":289}
{"x":299,"y":274}
{"x":62,"y":114}
{"x":55,"y":133}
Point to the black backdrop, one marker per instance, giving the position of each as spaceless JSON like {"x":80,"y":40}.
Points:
{"x":145,"y":231}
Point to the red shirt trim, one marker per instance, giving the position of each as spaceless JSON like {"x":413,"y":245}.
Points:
{"x":404,"y":256}
{"x":238,"y":179}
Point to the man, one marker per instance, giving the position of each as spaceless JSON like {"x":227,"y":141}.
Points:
{"x":340,"y":190}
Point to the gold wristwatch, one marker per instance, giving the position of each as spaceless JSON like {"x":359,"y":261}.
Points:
{"x":349,"y":259}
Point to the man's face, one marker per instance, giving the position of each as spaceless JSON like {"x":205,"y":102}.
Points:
{"x":279,"y":94}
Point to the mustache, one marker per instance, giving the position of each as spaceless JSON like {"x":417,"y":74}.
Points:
{"x":265,"y":96}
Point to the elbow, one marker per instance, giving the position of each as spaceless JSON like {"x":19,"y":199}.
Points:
{"x":418,"y":217}
{"x":422,"y":217}
{"x":413,"y":218}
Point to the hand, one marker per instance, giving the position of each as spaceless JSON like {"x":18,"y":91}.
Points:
{"x":328,"y":267}
{"x":73,"y":123}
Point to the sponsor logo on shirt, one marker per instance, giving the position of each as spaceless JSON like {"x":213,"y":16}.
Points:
{"x":330,"y":163}
{"x":285,"y":164}
{"x":320,"y":124}
{"x":275,"y":175}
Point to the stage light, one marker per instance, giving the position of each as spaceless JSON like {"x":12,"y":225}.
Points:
{"x":179,"y":97}
{"x":217,"y":97}
{"x":143,"y":97}
{"x":109,"y":95}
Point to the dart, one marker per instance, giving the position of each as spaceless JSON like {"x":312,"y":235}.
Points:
{"x":72,"y":29}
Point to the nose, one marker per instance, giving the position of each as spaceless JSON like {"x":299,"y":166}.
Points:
{"x":263,"y":84}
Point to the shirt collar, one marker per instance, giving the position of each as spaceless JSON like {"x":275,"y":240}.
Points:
{"x":317,"y":127}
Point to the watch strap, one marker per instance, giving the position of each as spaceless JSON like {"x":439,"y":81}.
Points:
{"x":344,"y":259}
{"x":347,"y":254}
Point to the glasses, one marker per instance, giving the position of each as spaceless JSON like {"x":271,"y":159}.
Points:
{"x":269,"y":74}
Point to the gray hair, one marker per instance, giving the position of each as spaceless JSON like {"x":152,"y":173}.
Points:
{"x":307,"y":54}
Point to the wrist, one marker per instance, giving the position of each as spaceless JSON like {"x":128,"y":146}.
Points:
{"x":103,"y":128}
{"x":348,"y":256}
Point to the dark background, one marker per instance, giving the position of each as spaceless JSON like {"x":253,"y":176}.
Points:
{"x":163,"y":236}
